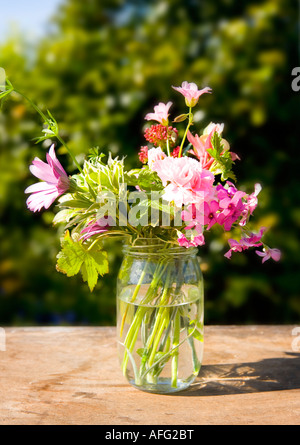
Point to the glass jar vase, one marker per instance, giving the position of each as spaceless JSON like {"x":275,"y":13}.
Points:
{"x":160,"y":316}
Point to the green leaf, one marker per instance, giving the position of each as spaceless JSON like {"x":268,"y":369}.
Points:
{"x":76,"y":204}
{"x":222,"y":158}
{"x":75,"y":258}
{"x":63,"y":216}
{"x":145,"y":178}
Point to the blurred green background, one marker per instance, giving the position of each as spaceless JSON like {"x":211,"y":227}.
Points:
{"x":100,"y":66}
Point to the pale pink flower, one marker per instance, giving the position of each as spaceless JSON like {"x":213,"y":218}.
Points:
{"x":56,"y":182}
{"x":212,"y":127}
{"x":191,"y":93}
{"x":155,"y":154}
{"x":268,"y":253}
{"x":184,"y":180}
{"x":161,"y":113}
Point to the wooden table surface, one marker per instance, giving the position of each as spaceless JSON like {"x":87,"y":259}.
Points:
{"x":71,"y":376}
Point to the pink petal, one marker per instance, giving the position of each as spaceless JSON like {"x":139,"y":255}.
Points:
{"x":259,"y":253}
{"x":40,"y":187}
{"x":54,"y":162}
{"x":36,"y":201}
{"x":275,"y":254}
{"x":42,"y":171}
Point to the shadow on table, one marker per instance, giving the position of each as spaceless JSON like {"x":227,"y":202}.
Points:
{"x":273,"y":374}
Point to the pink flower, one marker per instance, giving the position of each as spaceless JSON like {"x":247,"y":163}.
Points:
{"x":184,"y":180}
{"x":252,"y":240}
{"x":231,"y":209}
{"x":191,"y":93}
{"x":193,"y":217}
{"x":195,"y":241}
{"x":268,"y":253}
{"x":235,"y":246}
{"x":161,"y":113}
{"x":250,"y":204}
{"x":98,"y":227}
{"x":211,"y":213}
{"x":200,"y":145}
{"x":159,"y":134}
{"x":56,"y":182}
{"x":155,"y":154}
{"x":226,"y":192}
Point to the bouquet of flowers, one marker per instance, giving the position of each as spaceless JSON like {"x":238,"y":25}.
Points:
{"x":178,"y":192}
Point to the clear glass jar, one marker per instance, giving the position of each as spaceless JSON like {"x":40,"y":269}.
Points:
{"x":160,"y":316}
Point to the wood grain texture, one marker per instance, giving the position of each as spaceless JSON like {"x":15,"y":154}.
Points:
{"x":71,"y":376}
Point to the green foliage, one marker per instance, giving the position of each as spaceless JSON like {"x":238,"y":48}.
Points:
{"x":222,"y":158}
{"x":75,"y":257}
{"x":145,"y":178}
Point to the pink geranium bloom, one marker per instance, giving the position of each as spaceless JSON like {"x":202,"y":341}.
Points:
{"x":56,"y":182}
{"x":191,"y":93}
{"x":161,"y":113}
{"x":184,"y":180}
{"x":193,"y":217}
{"x":231,"y":210}
{"x":268,"y":253}
{"x":226,"y":192}
{"x":211,"y":213}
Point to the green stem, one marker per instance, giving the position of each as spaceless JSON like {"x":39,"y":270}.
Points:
{"x":134,"y":295}
{"x":159,"y":322}
{"x":132,"y":333}
{"x":196,"y":363}
{"x":71,"y":154}
{"x":45,"y":118}
{"x":176,"y":338}
{"x":186,"y":131}
{"x":168,"y":147}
